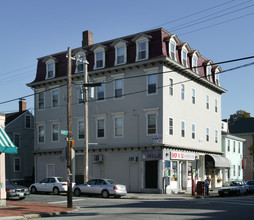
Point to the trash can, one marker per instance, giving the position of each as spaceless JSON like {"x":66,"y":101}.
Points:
{"x":201,"y":188}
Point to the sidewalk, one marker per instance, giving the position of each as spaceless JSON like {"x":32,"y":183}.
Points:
{"x":27,"y":210}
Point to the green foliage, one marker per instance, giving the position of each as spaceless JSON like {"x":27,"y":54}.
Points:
{"x":241,"y":114}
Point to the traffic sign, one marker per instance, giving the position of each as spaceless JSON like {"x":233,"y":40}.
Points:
{"x":64,"y":132}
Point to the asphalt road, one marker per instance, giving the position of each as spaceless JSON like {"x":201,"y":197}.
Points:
{"x":99,"y":208}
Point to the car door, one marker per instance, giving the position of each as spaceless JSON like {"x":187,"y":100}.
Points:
{"x":42,"y":185}
{"x":100,"y":185}
{"x":89,"y":187}
{"x":50,"y":184}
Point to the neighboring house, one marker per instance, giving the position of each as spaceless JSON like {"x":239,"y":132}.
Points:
{"x":155,"y":118}
{"x":6,"y":147}
{"x":20,"y":128}
{"x":232,"y":146}
{"x":244,"y":128}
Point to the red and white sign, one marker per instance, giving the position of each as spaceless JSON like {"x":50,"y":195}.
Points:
{"x":182,"y":156}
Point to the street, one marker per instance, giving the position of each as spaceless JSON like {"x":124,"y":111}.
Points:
{"x":98,"y":208}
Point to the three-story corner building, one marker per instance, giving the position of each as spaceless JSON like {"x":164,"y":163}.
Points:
{"x":155,"y":118}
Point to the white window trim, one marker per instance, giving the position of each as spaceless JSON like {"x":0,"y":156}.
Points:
{"x":77,"y":56}
{"x":38,"y":99}
{"x":119,"y":45}
{"x":216,"y":105}
{"x":185,"y":50}
{"x":140,"y":40}
{"x":115,"y":77}
{"x":152,"y":71}
{"x":194,"y":131}
{"x":172,"y":41}
{"x":207,"y":133}
{"x":217,"y":78}
{"x":209,"y":71}
{"x":118,"y":115}
{"x":183,"y":122}
{"x":58,"y":101}
{"x":38,"y":125}
{"x":170,"y":127}
{"x":171,"y":87}
{"x":17,"y":171}
{"x":27,"y":115}
{"x":182,"y":92}
{"x":51,"y":61}
{"x":194,"y":68}
{"x":149,"y":112}
{"x":55,"y":123}
{"x":97,"y":50}
{"x":101,"y":79}
{"x":207,"y":102}
{"x":96,"y":125}
{"x":193,"y":95}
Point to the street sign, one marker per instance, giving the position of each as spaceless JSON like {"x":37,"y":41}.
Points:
{"x":64,"y":132}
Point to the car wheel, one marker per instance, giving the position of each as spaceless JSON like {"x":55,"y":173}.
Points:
{"x":56,"y":191}
{"x":105,"y":194}
{"x":77,"y":192}
{"x":33,"y":190}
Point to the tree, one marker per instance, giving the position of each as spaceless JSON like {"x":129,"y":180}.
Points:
{"x":241,"y":114}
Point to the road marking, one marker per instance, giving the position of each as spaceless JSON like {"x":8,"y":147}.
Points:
{"x":235,"y":203}
{"x":75,"y":200}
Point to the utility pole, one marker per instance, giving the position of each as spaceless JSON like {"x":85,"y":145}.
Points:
{"x":86,"y":124}
{"x":69,"y":125}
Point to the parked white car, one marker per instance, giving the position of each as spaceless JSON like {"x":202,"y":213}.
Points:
{"x":234,"y":187}
{"x":51,"y":184}
{"x":103,"y":187}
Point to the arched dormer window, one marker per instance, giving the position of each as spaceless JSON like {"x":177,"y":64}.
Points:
{"x":50,"y":67}
{"x":99,"y":57}
{"x":184,"y":54}
{"x":216,"y":75}
{"x":120,"y":52}
{"x":194,"y":55}
{"x":172,"y":49}
{"x":209,"y":71}
{"x":80,"y":61}
{"x":142,"y":47}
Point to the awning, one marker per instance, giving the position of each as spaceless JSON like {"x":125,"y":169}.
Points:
{"x":6,"y":145}
{"x":219,"y":161}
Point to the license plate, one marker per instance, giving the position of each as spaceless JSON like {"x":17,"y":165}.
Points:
{"x":226,"y":192}
{"x":21,"y":194}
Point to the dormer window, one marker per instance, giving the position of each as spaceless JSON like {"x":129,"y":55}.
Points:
{"x":50,"y":68}
{"x":195,"y":64}
{"x":99,"y":58}
{"x":217,"y":80}
{"x":184,"y":57}
{"x":80,"y":59}
{"x":172,"y":50}
{"x":209,"y":72}
{"x":120,"y":52}
{"x":142,"y":49}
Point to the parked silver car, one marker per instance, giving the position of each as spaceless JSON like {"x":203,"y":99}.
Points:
{"x":103,"y":187}
{"x":14,"y":191}
{"x":234,"y":187}
{"x":51,"y":184}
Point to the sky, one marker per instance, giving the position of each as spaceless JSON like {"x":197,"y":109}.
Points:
{"x":221,"y":30}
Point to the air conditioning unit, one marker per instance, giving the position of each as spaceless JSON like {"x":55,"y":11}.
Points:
{"x":133,"y":159}
{"x":98,"y":158}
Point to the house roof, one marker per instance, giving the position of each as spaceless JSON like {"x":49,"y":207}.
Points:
{"x":242,"y":125}
{"x":12,"y":116}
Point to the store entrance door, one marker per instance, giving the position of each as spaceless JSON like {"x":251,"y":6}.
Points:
{"x":151,"y":174}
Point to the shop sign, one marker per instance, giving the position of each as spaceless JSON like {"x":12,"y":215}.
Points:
{"x":152,"y":155}
{"x":157,"y":139}
{"x":182,"y":156}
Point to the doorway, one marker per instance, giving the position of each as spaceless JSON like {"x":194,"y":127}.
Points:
{"x":151,"y":174}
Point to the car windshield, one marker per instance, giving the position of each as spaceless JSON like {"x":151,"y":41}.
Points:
{"x":60,"y":179}
{"x":231,"y":183}
{"x":112,"y":182}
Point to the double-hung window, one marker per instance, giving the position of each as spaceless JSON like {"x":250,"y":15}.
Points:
{"x":195,"y":64}
{"x":207,"y":134}
{"x":55,"y":132}
{"x":80,"y":62}
{"x":118,"y":88}
{"x":184,"y":58}
{"x":142,"y":48}
{"x":41,"y":100}
{"x":152,"y":83}
{"x":118,"y":126}
{"x":193,"y":96}
{"x":171,"y":126}
{"x":193,"y":131}
{"x":100,"y":123}
{"x":209,"y":72}
{"x":216,"y":105}
{"x":17,"y":140}
{"x":50,"y":68}
{"x":41,"y":133}
{"x":101,"y":92}
{"x":28,"y":121}
{"x":99,"y":57}
{"x":207,"y":102}
{"x":228,"y":145}
{"x":17,"y":164}
{"x":216,"y":136}
{"x":151,"y":123}
{"x":182,"y":128}
{"x":55,"y":98}
{"x":172,"y":50}
{"x":171,"y":91}
{"x":120,"y":59}
{"x":182,"y":91}
{"x":81,"y":130}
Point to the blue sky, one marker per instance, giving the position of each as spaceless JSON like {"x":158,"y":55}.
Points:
{"x":221,"y":30}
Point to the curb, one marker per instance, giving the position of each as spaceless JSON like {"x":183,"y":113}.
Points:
{"x":30,"y":216}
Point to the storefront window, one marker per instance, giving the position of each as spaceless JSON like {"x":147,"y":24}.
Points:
{"x":174,"y":175}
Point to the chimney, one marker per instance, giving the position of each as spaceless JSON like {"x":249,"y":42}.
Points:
{"x":22,"y":105}
{"x":87,"y":38}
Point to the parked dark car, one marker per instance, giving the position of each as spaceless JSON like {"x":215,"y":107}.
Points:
{"x":234,"y":187}
{"x":250,"y":183}
{"x":14,"y":191}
